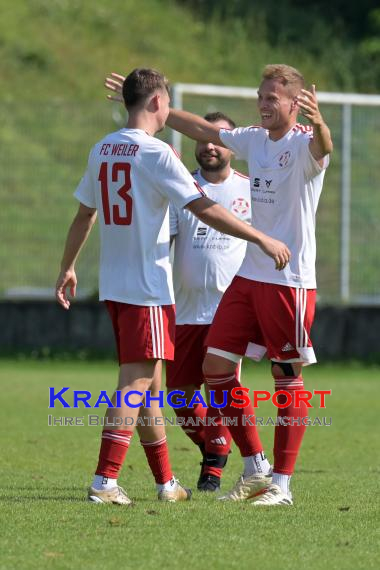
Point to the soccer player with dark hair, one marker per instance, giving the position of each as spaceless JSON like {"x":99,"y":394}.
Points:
{"x":205,"y":263}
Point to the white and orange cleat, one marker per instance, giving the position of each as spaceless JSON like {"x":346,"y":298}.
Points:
{"x":116,"y":496}
{"x":272,"y":495}
{"x":247,"y":487}
{"x":175,"y":494}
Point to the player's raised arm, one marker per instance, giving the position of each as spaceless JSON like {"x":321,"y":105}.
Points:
{"x":194,"y":127}
{"x":222,"y":220}
{"x":76,"y":237}
{"x":321,"y":144}
{"x":189,"y":124}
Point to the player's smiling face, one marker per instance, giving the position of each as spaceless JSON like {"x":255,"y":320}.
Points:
{"x":211,"y":157}
{"x":277,"y":107}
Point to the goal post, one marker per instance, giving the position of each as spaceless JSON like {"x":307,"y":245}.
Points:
{"x":345,"y":133}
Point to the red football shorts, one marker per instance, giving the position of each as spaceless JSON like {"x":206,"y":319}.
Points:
{"x":186,"y":368}
{"x":255,"y":318}
{"x":190,"y":350}
{"x":142,"y":333}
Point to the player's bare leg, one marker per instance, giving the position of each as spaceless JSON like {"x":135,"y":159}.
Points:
{"x":153,"y":439}
{"x":151,"y":430}
{"x":136,"y":377}
{"x":220,"y":375}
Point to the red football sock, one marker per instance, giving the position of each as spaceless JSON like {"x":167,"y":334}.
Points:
{"x":114,"y":446}
{"x":244,"y":434}
{"x":157,"y":454}
{"x":288,"y":438}
{"x":195,"y":432}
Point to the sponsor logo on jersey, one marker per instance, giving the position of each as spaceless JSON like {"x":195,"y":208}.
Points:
{"x":240,"y":206}
{"x":284,"y":158}
{"x":201,"y":231}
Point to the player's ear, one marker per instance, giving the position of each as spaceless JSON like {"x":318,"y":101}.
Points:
{"x":294,"y":104}
{"x":155,"y":102}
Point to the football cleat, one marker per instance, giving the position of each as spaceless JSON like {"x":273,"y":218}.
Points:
{"x":208,"y":483}
{"x":177,"y":493}
{"x":247,"y":487}
{"x":270,"y":496}
{"x":116,"y":496}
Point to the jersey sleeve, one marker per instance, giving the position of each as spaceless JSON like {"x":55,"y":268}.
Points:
{"x":85,"y":191}
{"x":174,"y":181}
{"x":238,"y":140}
{"x":173,"y":219}
{"x":311,"y":166}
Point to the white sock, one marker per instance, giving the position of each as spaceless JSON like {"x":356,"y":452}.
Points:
{"x":256,"y":464}
{"x":101,"y":483}
{"x":282,"y":481}
{"x":168,"y":486}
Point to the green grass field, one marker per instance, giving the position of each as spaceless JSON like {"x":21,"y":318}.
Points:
{"x":46,"y":522}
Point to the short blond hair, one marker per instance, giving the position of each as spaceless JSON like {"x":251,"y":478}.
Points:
{"x":287,"y":75}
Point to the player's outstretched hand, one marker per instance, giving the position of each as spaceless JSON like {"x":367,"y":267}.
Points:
{"x":277,"y":251}
{"x":66,"y":279}
{"x":308,"y":105}
{"x":114,"y":82}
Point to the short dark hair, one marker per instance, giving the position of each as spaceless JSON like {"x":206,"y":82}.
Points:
{"x":218,"y":116}
{"x":140,"y":84}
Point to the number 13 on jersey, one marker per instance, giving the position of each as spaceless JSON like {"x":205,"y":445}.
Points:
{"x":121,"y":172}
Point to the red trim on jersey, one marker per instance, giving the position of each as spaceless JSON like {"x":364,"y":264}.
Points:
{"x":175,"y":151}
{"x":241,"y":175}
{"x":199,"y":188}
{"x":305,"y":129}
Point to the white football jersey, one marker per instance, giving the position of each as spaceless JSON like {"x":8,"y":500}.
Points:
{"x":205,"y":260}
{"x":286,"y":183}
{"x":130,"y":179}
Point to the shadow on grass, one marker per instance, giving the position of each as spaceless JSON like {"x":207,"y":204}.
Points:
{"x":41,"y":498}
{"x":313,"y":471}
{"x":21,"y":494}
{"x":18,"y":494}
{"x":45,"y":488}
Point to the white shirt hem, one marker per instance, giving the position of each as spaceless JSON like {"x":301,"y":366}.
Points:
{"x":286,"y":283}
{"x":137,"y":302}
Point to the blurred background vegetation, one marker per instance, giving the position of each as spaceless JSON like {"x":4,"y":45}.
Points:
{"x":54,"y":55}
{"x":340,"y":36}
